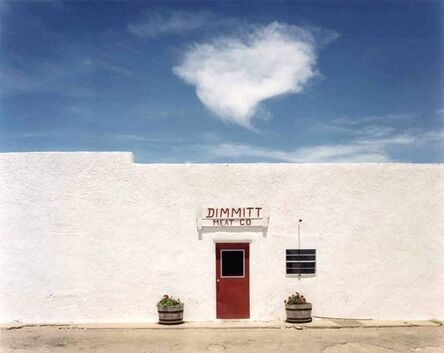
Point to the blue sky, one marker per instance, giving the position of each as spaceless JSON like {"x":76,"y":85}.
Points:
{"x":177,"y":82}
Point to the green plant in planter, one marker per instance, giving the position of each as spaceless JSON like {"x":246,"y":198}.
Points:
{"x":296,"y":299}
{"x":168,"y":301}
{"x":297,"y":309}
{"x":170,"y":310}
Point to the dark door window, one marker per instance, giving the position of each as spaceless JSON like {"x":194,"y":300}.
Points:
{"x":232,"y":262}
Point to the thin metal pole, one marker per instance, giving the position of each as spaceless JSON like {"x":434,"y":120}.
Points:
{"x":299,"y":243}
{"x":299,"y":237}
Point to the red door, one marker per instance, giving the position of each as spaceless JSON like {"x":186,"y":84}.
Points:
{"x":232,"y":280}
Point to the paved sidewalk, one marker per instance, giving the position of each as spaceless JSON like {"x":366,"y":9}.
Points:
{"x":317,"y":323}
{"x":427,"y":338}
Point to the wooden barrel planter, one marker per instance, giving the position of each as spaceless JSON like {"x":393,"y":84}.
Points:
{"x":170,"y":315}
{"x":298,"y":313}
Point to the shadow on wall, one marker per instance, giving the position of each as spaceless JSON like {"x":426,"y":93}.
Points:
{"x":235,"y":229}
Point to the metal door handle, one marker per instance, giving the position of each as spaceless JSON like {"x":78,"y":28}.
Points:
{"x":218,"y":280}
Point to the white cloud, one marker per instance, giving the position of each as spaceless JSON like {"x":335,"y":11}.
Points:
{"x":372,"y":148}
{"x":233,"y":75}
{"x":156,"y":23}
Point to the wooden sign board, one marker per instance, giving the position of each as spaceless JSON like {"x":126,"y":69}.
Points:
{"x":231,"y":217}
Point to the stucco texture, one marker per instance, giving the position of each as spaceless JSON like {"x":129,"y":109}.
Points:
{"x":94,"y":237}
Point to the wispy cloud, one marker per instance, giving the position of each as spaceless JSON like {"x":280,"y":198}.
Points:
{"x":23,"y":135}
{"x":372,"y":119}
{"x":71,"y":78}
{"x":147,"y":139}
{"x":157,"y":23}
{"x":17,"y":80}
{"x":3,"y":7}
{"x":314,"y":154}
{"x":69,"y":67}
{"x":372,"y":147}
{"x":233,"y":75}
{"x":46,"y":78}
{"x":103,"y":65}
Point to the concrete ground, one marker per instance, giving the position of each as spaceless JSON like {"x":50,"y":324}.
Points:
{"x":64,"y":339}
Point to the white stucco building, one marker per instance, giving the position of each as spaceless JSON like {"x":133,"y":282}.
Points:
{"x":94,"y":237}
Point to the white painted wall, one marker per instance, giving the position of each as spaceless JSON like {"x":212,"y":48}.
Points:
{"x":92,"y":237}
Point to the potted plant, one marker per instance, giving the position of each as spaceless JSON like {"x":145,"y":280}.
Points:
{"x":297,"y":309}
{"x":170,"y":310}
